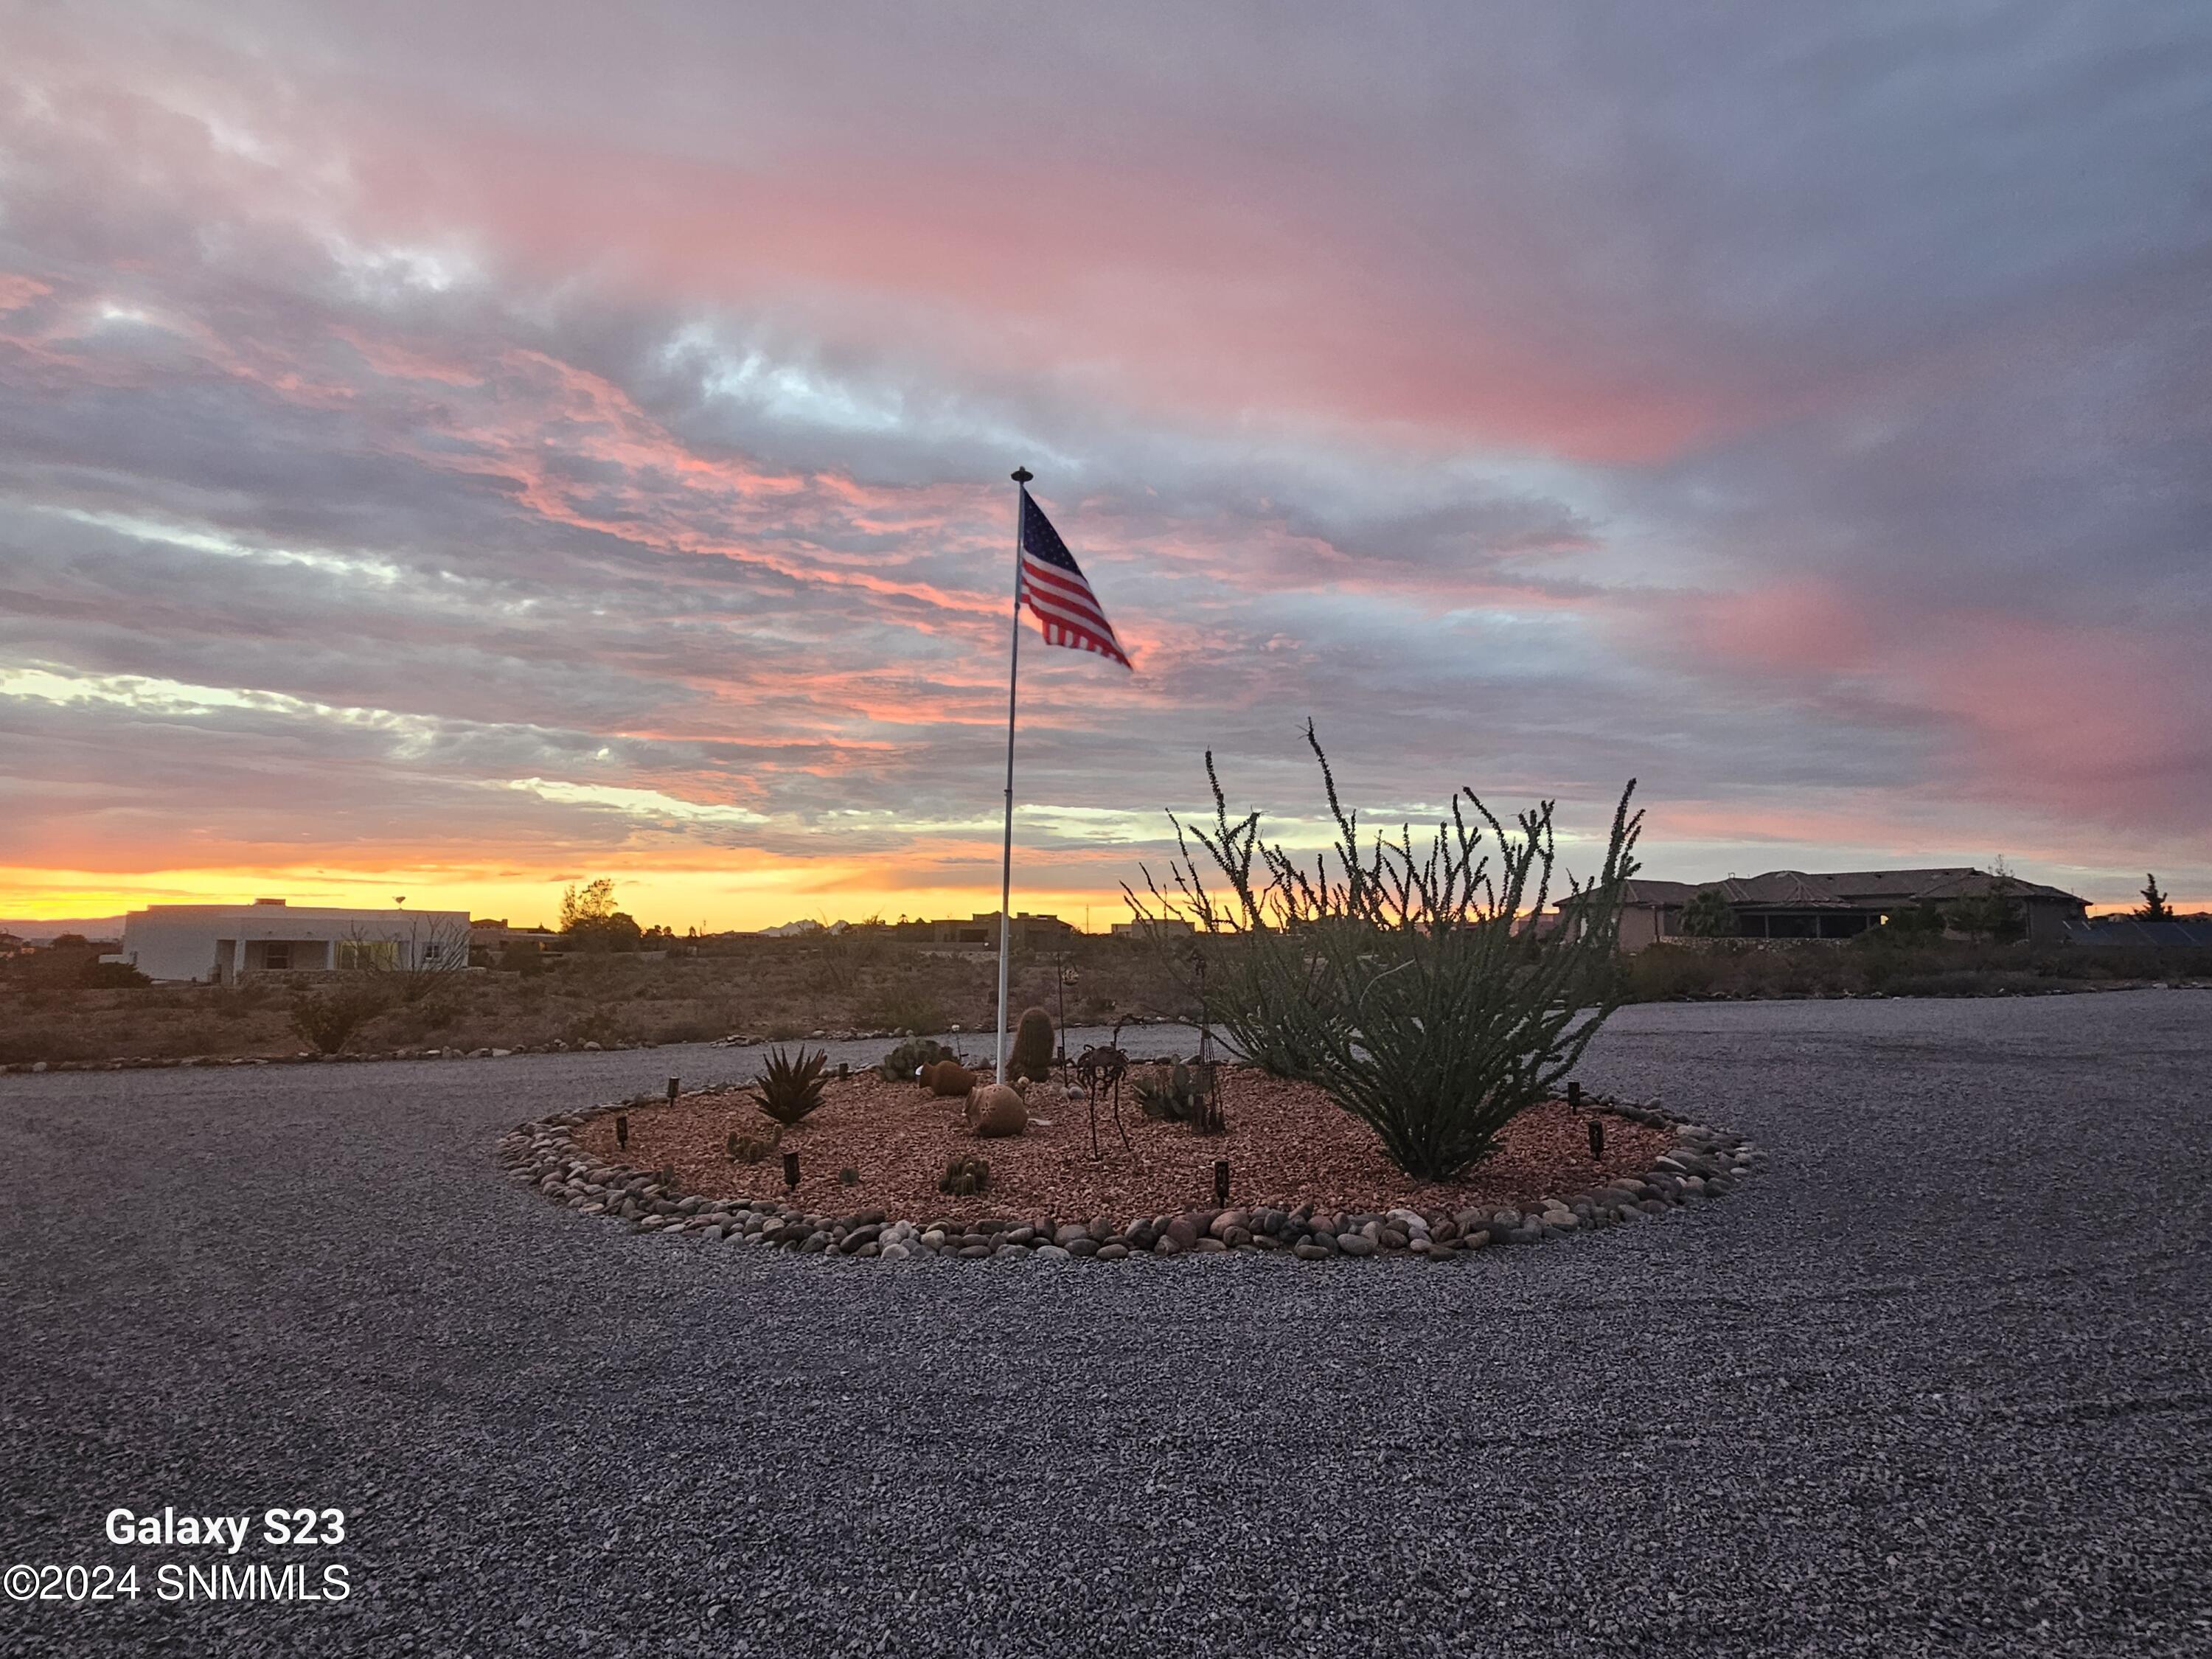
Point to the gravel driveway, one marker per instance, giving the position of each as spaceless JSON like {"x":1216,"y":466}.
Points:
{"x":1939,"y":1381}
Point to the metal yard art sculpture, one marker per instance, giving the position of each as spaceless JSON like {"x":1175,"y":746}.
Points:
{"x":1098,"y":1069}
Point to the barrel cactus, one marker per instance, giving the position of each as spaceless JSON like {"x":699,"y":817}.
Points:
{"x":1032,"y":1055}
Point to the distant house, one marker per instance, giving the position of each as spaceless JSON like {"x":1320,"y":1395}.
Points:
{"x":980,"y":932}
{"x":225,"y":943}
{"x":1803,"y":904}
{"x":1650,"y":911}
{"x":492,"y":932}
{"x":1155,"y":927}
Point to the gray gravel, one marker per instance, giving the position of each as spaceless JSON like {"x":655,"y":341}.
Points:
{"x":1937,"y":1382}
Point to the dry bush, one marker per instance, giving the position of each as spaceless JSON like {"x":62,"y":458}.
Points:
{"x":327,"y":1016}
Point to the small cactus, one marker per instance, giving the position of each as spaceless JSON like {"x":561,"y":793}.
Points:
{"x":1180,"y":1094}
{"x":849,"y":1177}
{"x":965,"y":1177}
{"x":751,"y":1149}
{"x":905,"y":1063}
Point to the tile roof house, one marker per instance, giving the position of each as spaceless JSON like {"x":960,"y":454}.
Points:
{"x":1805,"y":904}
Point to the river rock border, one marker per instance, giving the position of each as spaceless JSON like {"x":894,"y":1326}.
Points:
{"x":1704,"y":1163}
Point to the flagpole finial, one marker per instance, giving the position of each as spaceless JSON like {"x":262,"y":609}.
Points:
{"x":1022,"y":475}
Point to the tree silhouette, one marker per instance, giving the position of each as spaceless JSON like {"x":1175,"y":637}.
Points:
{"x":1707,"y":915}
{"x":2154,"y":907}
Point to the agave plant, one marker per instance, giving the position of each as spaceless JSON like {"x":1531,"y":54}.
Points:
{"x":791,"y":1088}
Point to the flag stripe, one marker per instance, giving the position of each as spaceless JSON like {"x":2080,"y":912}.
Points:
{"x":1051,"y":608}
{"x":1044,"y":591}
{"x":1081,"y":639}
{"x":1056,"y":582}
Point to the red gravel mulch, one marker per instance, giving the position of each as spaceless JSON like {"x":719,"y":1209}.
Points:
{"x":1287,"y":1144}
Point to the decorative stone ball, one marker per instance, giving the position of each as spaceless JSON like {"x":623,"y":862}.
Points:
{"x":995,"y":1108}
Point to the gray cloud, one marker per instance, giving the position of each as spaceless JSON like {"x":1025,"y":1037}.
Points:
{"x":1731,"y":398}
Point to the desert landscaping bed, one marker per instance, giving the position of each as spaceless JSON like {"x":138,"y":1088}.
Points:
{"x":1304,"y":1177}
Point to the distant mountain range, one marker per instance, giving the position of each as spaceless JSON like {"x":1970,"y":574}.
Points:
{"x":38,"y":933}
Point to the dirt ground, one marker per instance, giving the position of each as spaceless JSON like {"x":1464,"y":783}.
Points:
{"x":779,"y":989}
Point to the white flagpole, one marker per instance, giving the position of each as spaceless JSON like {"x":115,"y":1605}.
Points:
{"x":1022,"y":476}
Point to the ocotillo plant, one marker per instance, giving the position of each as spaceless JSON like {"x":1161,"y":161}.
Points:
{"x":1403,"y":980}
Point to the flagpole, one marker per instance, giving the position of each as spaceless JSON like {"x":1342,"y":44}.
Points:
{"x":1022,"y":474}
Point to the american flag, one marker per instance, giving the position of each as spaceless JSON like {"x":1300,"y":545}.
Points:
{"x":1065,"y":608}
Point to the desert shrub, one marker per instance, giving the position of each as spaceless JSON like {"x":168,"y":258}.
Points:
{"x":788,"y":1087}
{"x":1399,"y":979}
{"x":98,"y":976}
{"x":901,"y":1065}
{"x":1661,"y":973}
{"x":841,"y":961}
{"x":598,"y":1024}
{"x":522,"y":957}
{"x":1032,"y":1055}
{"x":904,"y":1008}
{"x":696,"y":1029}
{"x":1923,"y":923}
{"x":326,"y":1016}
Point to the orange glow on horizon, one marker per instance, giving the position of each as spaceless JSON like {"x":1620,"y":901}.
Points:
{"x":710,"y":899}
{"x":741,"y":898}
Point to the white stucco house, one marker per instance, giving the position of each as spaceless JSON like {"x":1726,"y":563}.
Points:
{"x":223,"y":943}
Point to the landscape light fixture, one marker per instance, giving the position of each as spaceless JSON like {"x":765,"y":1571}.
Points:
{"x":1597,"y":1140}
{"x":791,"y":1169}
{"x":1575,"y":1095}
{"x":1221,"y":1181}
{"x":675,"y":1088}
{"x":621,"y":1128}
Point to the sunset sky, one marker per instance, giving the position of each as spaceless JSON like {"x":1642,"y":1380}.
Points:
{"x":453,"y":449}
